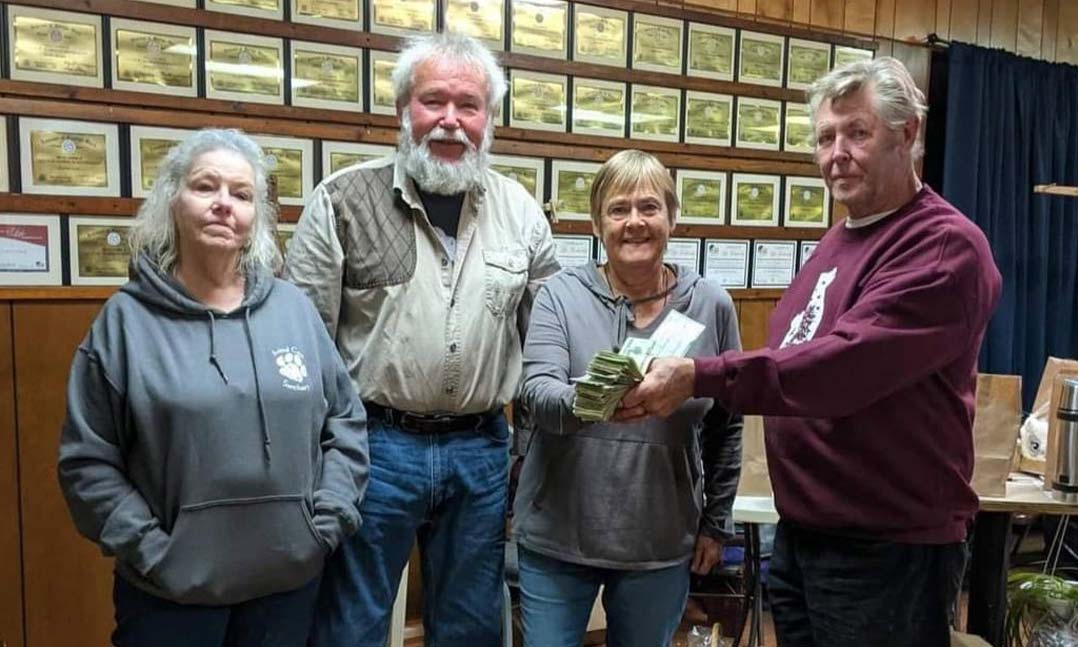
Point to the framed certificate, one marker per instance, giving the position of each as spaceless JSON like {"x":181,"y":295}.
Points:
{"x":760,"y":59}
{"x":807,"y":247}
{"x":755,"y":200}
{"x":702,"y":195}
{"x":601,"y":35}
{"x":573,"y":250}
{"x":403,"y":17}
{"x":727,"y":261}
{"x":773,"y":263}
{"x":5,"y":185}
{"x":537,"y":100}
{"x":683,"y":251}
{"x":327,"y":76}
{"x":657,"y":43}
{"x":342,"y":14}
{"x":339,"y":155}
{"x":798,"y":137}
{"x":30,"y":250}
{"x":382,"y":97}
{"x":541,"y":28}
{"x":711,"y":52}
{"x":808,"y":203}
{"x":283,"y":235}
{"x":528,"y":171}
{"x":806,"y":61}
{"x":482,"y":20}
{"x":272,"y":9}
{"x":99,"y":251}
{"x":656,"y":113}
{"x":708,"y":118}
{"x":69,"y":157}
{"x":758,"y":123}
{"x":154,"y":57}
{"x":570,"y":188}
{"x":54,"y":46}
{"x":599,"y":107}
{"x":149,"y":146}
{"x":846,"y":55}
{"x":244,"y":68}
{"x":291,"y":161}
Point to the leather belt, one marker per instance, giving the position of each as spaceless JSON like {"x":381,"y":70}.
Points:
{"x":424,"y":423}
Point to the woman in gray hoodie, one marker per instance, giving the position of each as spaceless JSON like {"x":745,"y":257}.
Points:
{"x":213,"y":442}
{"x":628,"y":506}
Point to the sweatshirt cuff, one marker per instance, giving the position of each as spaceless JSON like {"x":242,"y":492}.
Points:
{"x":709,"y":381}
{"x":721,"y":534}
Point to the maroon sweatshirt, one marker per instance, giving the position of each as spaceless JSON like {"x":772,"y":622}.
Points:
{"x":867,"y":382}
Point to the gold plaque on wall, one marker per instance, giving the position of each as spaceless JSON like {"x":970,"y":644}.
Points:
{"x":327,"y":76}
{"x":244,"y":68}
{"x":154,"y":57}
{"x":69,"y":157}
{"x":54,"y":46}
{"x":484,"y":20}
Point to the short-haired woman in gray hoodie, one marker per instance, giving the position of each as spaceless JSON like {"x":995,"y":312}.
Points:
{"x":213,"y":442}
{"x":631,"y":507}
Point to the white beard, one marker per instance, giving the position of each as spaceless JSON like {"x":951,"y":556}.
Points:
{"x":438,"y":176}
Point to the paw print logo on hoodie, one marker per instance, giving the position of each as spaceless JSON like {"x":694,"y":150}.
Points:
{"x":292,"y":368}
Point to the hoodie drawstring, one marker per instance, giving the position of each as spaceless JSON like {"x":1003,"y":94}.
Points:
{"x":258,"y":384}
{"x":213,"y":347}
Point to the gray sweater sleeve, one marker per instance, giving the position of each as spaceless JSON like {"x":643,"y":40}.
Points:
{"x":721,"y":442}
{"x":545,"y":388}
{"x":106,"y":507}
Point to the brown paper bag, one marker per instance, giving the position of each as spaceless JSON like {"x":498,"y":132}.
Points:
{"x":1049,"y":393}
{"x":754,"y":478}
{"x":995,"y":430}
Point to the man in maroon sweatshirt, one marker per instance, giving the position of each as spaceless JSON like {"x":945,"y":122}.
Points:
{"x":866,"y":384}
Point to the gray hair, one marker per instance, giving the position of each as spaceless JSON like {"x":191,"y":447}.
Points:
{"x":626,"y":171}
{"x":897,"y":98}
{"x":154,"y":231}
{"x":454,"y":47}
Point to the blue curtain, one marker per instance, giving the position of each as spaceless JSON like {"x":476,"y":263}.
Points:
{"x":1011,"y":123}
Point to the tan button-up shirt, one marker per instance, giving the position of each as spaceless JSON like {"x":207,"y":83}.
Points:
{"x":419,"y":329}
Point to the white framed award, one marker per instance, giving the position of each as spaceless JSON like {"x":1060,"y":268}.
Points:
{"x":283,"y":235}
{"x":727,"y":261}
{"x":755,"y":200}
{"x":655,"y":113}
{"x":808,"y":203}
{"x":709,"y":118}
{"x":702,"y":195}
{"x":761,"y":58}
{"x":570,"y":188}
{"x":683,"y":251}
{"x":271,"y":9}
{"x":484,"y":21}
{"x":62,"y":157}
{"x":573,"y":250}
{"x":538,"y":100}
{"x":657,"y":43}
{"x":54,"y":46}
{"x":601,"y":35}
{"x":30,"y":249}
{"x":98,"y":250}
{"x":381,"y":95}
{"x":154,"y":57}
{"x":529,"y":172}
{"x":806,"y":61}
{"x":759,"y":122}
{"x":845,"y":55}
{"x":773,"y":263}
{"x":807,"y":248}
{"x":291,"y":161}
{"x":240,"y":67}
{"x":341,"y":155}
{"x":403,"y":17}
{"x":711,"y":51}
{"x":798,"y":136}
{"x":341,"y":14}
{"x":599,"y":107}
{"x":540,"y":28}
{"x":149,"y":146}
{"x":327,"y":76}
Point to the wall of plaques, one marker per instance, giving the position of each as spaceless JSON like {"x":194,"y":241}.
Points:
{"x":94,"y":99}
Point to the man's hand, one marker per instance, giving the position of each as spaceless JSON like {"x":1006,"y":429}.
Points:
{"x":708,"y":553}
{"x":668,"y":383}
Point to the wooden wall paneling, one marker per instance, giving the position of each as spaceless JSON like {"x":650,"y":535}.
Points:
{"x":984,"y":23}
{"x":1030,"y":28}
{"x":752,"y":321}
{"x":776,"y":9}
{"x":1067,"y":34}
{"x":943,"y":19}
{"x":917,"y":60}
{"x":915,"y":19}
{"x":885,"y":18}
{"x":746,"y":6}
{"x":1049,"y":30}
{"x":68,"y":589}
{"x":802,"y":11}
{"x":860,"y":16}
{"x":1004,"y":30}
{"x":964,"y":20}
{"x":11,"y":607}
{"x":828,"y":13}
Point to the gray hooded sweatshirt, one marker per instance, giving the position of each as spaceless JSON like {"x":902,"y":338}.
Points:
{"x":617,"y":495}
{"x":218,"y":456}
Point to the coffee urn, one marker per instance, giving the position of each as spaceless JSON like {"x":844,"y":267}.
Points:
{"x":1065,"y":476}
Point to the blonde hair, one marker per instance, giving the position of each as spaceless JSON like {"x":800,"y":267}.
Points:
{"x":626,"y":171}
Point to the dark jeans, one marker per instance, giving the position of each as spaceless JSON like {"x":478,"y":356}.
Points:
{"x":278,"y":620}
{"x":833,"y":591}
{"x":449,"y":489}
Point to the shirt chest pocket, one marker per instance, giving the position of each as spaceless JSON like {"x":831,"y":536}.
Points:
{"x":505,"y":276}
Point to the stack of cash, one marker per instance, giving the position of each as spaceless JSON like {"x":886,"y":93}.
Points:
{"x":609,"y":376}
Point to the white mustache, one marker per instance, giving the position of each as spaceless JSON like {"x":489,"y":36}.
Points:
{"x":439,"y":134}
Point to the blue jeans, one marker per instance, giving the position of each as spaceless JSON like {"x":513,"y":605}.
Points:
{"x":449,"y":490}
{"x":278,"y":620}
{"x":643,"y":608}
{"x":835,"y":591}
